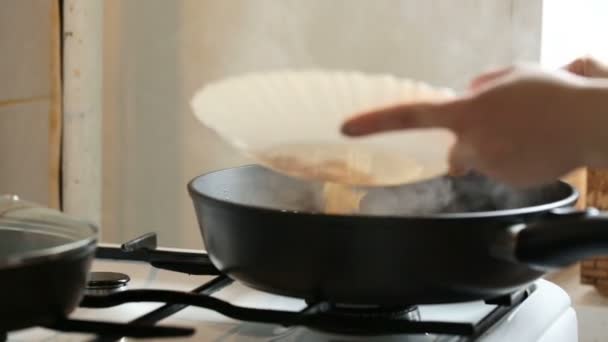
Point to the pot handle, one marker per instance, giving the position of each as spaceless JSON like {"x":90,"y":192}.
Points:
{"x":565,"y":238}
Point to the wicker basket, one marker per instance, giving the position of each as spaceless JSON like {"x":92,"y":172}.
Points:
{"x":595,"y":271}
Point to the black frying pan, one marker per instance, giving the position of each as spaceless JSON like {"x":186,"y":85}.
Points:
{"x":444,"y":240}
{"x":44,"y":261}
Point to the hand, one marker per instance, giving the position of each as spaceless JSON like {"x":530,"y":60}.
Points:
{"x":523,"y":126}
{"x":584,"y":66}
{"x":588,"y":67}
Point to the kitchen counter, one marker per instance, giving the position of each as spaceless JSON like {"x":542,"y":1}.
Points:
{"x":591,"y":307}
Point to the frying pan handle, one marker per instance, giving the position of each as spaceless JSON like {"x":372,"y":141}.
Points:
{"x":566,"y":237}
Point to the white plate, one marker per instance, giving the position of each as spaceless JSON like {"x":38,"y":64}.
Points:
{"x":290,"y":121}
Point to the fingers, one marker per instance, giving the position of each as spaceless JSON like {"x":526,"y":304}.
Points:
{"x":587,"y":66}
{"x":488,"y":77}
{"x":418,"y":115}
{"x":576,"y":67}
{"x":406,"y":116}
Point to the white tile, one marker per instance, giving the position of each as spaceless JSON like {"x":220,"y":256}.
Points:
{"x":25,"y":42}
{"x":24,"y":150}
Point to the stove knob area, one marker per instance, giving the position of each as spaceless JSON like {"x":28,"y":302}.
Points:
{"x":104,"y":283}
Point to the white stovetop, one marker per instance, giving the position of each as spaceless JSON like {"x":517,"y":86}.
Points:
{"x":546,"y":316}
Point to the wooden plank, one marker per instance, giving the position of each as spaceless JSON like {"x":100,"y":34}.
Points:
{"x":55,"y":109}
{"x":82,"y":103}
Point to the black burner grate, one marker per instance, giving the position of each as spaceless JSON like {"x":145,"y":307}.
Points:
{"x":321,"y":316}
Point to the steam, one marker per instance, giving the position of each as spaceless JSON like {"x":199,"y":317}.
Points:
{"x":257,"y":186}
{"x":473,"y":193}
{"x":414,"y":199}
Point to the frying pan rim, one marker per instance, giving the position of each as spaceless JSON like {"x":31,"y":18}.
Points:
{"x":50,"y":254}
{"x":569,"y":200}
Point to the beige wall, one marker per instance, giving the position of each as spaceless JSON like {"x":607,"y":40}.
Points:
{"x":29,"y":107}
{"x":158,"y":52}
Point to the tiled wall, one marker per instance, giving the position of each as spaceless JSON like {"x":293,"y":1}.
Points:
{"x":28,"y":100}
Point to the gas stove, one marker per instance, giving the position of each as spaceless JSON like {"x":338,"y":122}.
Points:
{"x":141,"y":291}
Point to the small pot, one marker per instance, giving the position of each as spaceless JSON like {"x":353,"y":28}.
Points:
{"x":45,"y":258}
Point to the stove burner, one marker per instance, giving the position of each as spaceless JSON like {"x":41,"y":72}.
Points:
{"x":103,"y":283}
{"x":408,"y":313}
{"x":367,"y":313}
{"x":318,"y":315}
{"x":108,"y":289}
{"x":362,"y":320}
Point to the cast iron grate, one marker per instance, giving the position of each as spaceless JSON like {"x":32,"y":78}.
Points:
{"x":316,"y":315}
